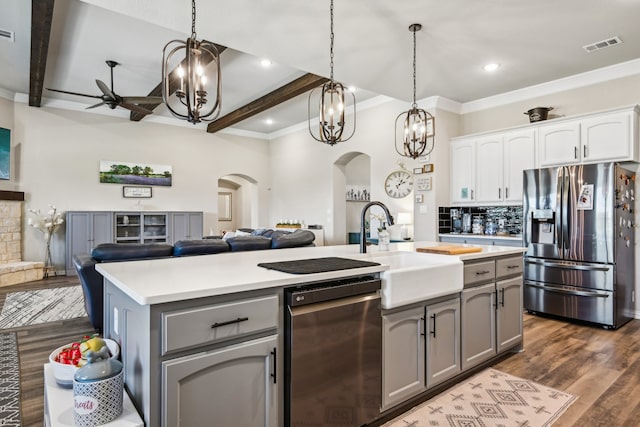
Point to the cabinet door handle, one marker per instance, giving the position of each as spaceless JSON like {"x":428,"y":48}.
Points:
{"x":480,"y":273}
{"x":499,"y":193}
{"x":502,"y":292}
{"x":424,"y":326}
{"x":575,"y":152}
{"x":506,"y":192}
{"x":434,"y":325}
{"x":275,"y":365}
{"x":471,"y":194}
{"x":230,"y":322}
{"x":584,"y":151}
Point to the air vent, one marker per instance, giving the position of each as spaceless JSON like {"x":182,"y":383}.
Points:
{"x":602,"y":44}
{"x":8,"y":35}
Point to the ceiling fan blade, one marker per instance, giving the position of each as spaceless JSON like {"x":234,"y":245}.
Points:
{"x":74,"y":93}
{"x":96,"y":105}
{"x":105,"y":89}
{"x":142,"y":99}
{"x":136,"y":108}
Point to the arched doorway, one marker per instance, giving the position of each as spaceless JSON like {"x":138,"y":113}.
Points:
{"x":352,"y":186}
{"x":238,"y":202}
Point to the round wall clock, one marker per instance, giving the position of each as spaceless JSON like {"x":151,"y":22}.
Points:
{"x":399,"y":184}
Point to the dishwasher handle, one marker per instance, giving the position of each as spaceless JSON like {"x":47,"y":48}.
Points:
{"x":328,"y":305}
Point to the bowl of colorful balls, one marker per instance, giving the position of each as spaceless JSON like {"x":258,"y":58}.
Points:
{"x":67,"y":359}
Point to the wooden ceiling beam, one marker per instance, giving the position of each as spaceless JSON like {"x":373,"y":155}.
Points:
{"x":174,"y":84}
{"x":41,"y":18}
{"x":290,"y":90}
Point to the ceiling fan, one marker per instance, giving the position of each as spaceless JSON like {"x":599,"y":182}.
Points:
{"x":113,"y":100}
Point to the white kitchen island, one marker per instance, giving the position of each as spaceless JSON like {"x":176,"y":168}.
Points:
{"x":165,"y":313}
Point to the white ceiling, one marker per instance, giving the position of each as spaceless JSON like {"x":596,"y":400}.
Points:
{"x":534,"y":41}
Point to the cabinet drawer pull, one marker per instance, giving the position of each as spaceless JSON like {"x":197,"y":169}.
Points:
{"x":275,"y":364}
{"x":230,"y":322}
{"x":434,"y":325}
{"x":479,"y":273}
{"x":509,"y":267}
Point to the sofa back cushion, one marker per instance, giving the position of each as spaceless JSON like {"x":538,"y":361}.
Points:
{"x":249,"y":243}
{"x":106,"y":252}
{"x":292,"y":240}
{"x":200,"y":247}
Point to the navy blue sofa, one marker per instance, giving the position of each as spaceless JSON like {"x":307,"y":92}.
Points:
{"x":92,"y":281}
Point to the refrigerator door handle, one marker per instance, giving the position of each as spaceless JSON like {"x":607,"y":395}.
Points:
{"x":558,"y":217}
{"x":563,"y":290}
{"x":566,"y":194}
{"x":568,"y":266}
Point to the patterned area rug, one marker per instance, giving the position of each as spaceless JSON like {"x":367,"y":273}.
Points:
{"x":9,"y":381}
{"x":41,"y":306}
{"x":491,"y":398}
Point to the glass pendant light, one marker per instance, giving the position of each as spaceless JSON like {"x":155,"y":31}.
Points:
{"x":331,"y":125}
{"x":184,"y":81}
{"x":417,"y":126}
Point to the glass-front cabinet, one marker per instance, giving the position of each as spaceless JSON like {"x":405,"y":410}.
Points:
{"x":135,"y":227}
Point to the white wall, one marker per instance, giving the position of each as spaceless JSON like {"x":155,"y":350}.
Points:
{"x":61,"y":150}
{"x":302,"y":180}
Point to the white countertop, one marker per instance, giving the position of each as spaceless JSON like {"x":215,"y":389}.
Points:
{"x":175,"y":279}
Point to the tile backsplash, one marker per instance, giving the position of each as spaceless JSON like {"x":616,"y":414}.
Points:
{"x":511,"y":214}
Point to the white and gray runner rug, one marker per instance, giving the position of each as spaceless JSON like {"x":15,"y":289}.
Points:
{"x":9,"y":381}
{"x":41,"y":306}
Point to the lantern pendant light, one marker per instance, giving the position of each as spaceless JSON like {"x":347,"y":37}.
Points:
{"x":184,"y":81}
{"x":418,"y":126}
{"x":331,"y":126}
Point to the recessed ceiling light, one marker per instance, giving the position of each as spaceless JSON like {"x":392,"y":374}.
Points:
{"x":265,"y":63}
{"x":491,"y":67}
{"x":269,"y":121}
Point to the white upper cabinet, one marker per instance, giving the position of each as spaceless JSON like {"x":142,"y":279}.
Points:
{"x":462,"y":169}
{"x":494,"y":174}
{"x":604,"y":137}
{"x":519,"y":155}
{"x":607,"y":137}
{"x":489,"y":170}
{"x":559,"y":144}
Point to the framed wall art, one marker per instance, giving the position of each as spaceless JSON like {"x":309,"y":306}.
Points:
{"x":5,"y":153}
{"x":136,"y":192}
{"x":114,"y":172}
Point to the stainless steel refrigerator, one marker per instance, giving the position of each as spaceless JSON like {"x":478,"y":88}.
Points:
{"x":579,"y":234}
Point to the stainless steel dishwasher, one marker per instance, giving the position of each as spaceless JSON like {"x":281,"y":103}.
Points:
{"x":333,"y":359}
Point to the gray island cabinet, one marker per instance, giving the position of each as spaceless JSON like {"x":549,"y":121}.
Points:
{"x":425,"y":344}
{"x":207,"y":361}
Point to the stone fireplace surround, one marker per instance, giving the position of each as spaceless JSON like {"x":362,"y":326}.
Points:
{"x":12,"y":269}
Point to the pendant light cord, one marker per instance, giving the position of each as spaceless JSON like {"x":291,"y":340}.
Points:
{"x":331,"y":49}
{"x":193,"y":19}
{"x":414,"y":105}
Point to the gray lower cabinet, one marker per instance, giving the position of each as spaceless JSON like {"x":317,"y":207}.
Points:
{"x":230,"y":387}
{"x":509,"y":313}
{"x":84,"y":231}
{"x":412,"y":364}
{"x":491,"y":308}
{"x":185,"y":226}
{"x":478,"y":325}
{"x":403,"y":352}
{"x":443,"y":341}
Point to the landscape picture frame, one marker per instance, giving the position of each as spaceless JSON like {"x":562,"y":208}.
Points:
{"x":140,"y":174}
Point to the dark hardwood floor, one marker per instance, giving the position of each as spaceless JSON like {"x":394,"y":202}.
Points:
{"x":602,"y":367}
{"x":35,"y":343}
